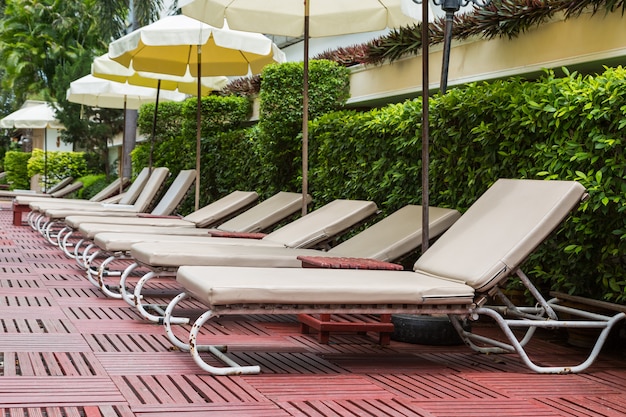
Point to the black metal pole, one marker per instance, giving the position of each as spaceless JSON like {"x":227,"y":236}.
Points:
{"x":425,"y":127}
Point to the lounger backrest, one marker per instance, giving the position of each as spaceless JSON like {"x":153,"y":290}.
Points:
{"x":175,"y":193}
{"x":67,"y":189}
{"x":60,"y":185}
{"x":322,"y":224}
{"x":265,"y":214}
{"x":151,"y":189}
{"x":135,"y":188}
{"x":222,"y":208}
{"x":500,"y":230}
{"x":397,"y":234}
{"x":110,"y":190}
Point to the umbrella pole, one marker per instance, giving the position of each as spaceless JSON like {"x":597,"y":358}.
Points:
{"x":123,"y":159}
{"x":45,"y":160}
{"x":154,"y":122}
{"x":198,"y":128}
{"x":305,"y":111}
{"x":425,"y":127}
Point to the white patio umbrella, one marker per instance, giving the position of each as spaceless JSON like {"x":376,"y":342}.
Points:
{"x":179,"y":45}
{"x":34,"y":115}
{"x":301,"y":18}
{"x":99,"y":92}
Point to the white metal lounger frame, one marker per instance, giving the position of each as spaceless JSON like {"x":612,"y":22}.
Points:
{"x":488,"y":244}
{"x":509,"y":317}
{"x":50,"y":227}
{"x":97,"y":275}
{"x":167,"y":205}
{"x":440,"y":220}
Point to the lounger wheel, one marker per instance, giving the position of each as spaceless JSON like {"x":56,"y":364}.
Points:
{"x":425,"y":330}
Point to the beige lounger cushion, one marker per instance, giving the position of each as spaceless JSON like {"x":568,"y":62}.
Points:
{"x":397,"y":234}
{"x":142,"y":203}
{"x":313,"y":228}
{"x":389,"y":239}
{"x":254,"y":219}
{"x":130,"y":232}
{"x":486,"y":244}
{"x":266,"y":213}
{"x":228,"y":285}
{"x":332,"y":219}
{"x":216,"y":211}
{"x":129,"y":196}
{"x":500,"y":230}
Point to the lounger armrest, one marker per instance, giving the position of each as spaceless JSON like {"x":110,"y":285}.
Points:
{"x":242,"y":235}
{"x":346,"y":263}
{"x":155,"y":216}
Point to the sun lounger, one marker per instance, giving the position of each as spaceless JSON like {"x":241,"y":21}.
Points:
{"x":455,"y":277}
{"x":388,"y":240}
{"x":245,"y":219}
{"x":10,"y":194}
{"x":37,"y":207}
{"x":52,"y":217}
{"x":314,"y":229}
{"x":165,"y":208}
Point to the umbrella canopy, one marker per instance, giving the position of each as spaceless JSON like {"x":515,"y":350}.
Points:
{"x":103,"y":93}
{"x":306,"y":18}
{"x":105,"y":67}
{"x":179,"y":45}
{"x":36,"y":115}
{"x":99,"y":92}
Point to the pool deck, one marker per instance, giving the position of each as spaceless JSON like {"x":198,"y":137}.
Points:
{"x":67,"y":350}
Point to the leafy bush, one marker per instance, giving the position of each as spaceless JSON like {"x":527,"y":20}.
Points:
{"x":568,"y":128}
{"x":15,"y":166}
{"x":92,"y":185}
{"x":57,"y":165}
{"x":280,"y":122}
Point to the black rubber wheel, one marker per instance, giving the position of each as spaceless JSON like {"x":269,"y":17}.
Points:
{"x":425,"y":330}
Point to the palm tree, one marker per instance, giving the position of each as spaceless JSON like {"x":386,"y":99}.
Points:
{"x":140,"y":13}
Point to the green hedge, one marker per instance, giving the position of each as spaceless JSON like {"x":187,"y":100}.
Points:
{"x":15,"y":163}
{"x":280,"y":120}
{"x":569,"y":128}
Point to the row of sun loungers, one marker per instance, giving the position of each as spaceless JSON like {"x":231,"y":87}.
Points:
{"x":224,"y":262}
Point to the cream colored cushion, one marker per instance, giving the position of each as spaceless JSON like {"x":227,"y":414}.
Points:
{"x":241,"y":285}
{"x":500,"y":230}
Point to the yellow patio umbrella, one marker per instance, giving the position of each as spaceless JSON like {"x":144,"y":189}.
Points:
{"x":300,"y":18}
{"x":104,"y":67}
{"x":180,"y":45}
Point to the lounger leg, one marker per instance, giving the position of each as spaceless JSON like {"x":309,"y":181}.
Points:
{"x":142,"y":307}
{"x":41,"y":224}
{"x":49,"y":232}
{"x":102,"y":271}
{"x":90,"y":270}
{"x":168,"y":324}
{"x":590,"y":320}
{"x":127,"y":296}
{"x":85,"y":255}
{"x":233,"y":367}
{"x":30,"y":219}
{"x":64,"y":243}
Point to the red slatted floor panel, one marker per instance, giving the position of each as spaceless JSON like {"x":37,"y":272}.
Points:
{"x":66,"y":350}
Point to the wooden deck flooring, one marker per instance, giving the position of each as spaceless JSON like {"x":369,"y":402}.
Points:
{"x":66,"y":350}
